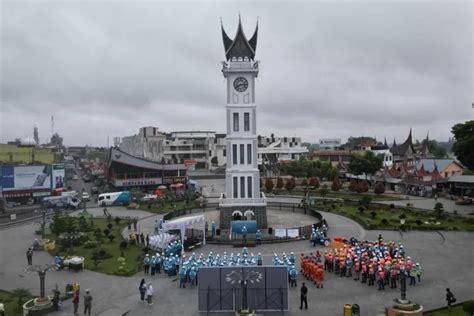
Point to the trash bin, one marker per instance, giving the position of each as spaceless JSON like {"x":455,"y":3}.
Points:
{"x":355,"y":310}
{"x":347,"y":310}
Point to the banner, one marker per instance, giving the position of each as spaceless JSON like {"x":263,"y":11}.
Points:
{"x":293,"y":233}
{"x":280,"y":232}
{"x":58,"y":177}
{"x":26,"y":177}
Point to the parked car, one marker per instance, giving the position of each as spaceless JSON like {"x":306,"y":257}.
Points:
{"x":148,"y":197}
{"x":85,"y":196}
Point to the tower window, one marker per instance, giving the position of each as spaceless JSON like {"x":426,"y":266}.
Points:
{"x":249,"y":154}
{"x":242,"y":154}
{"x":235,"y":187}
{"x":236,"y":122}
{"x":246,"y":121}
{"x":249,"y":187}
{"x":234,"y":154}
{"x":242,"y":187}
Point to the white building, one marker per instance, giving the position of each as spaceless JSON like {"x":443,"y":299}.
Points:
{"x":148,"y":143}
{"x":385,"y":152}
{"x":190,"y":147}
{"x":330,"y":143}
{"x":279,"y":149}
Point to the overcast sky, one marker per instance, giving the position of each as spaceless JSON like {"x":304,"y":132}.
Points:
{"x":328,"y":69}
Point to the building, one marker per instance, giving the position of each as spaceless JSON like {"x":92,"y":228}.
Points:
{"x":445,"y":167}
{"x":190,"y":147}
{"x":283,"y":149}
{"x":242,"y":197}
{"x":125,"y":171}
{"x":335,"y":157}
{"x":147,"y":144}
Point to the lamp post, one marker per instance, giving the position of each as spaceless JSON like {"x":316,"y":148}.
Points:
{"x":41,"y":270}
{"x":243,"y":279}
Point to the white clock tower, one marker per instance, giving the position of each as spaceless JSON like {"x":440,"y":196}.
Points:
{"x":242,"y":198}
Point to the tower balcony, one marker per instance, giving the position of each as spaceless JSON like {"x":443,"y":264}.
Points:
{"x":260,"y":201}
{"x":236,"y":65}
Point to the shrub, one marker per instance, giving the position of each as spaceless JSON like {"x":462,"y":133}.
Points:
{"x":304,"y":183}
{"x":365,"y":201}
{"x":364,"y":186}
{"x":361,"y":209}
{"x":269,"y":185}
{"x":314,"y":182}
{"x":379,"y":188}
{"x":117,"y":220}
{"x":123,"y":244}
{"x":353,"y":186}
{"x":280,"y":183}
{"x":419,"y":222}
{"x":336,"y":184}
{"x":91,"y":244}
{"x":101,"y":254}
{"x":106,"y":232}
{"x":111,"y":238}
{"x":109,"y":226}
{"x":290,"y":184}
{"x":373,"y":214}
{"x":402,"y":216}
{"x":392,"y":206}
{"x":468,"y":307}
{"x":384,"y":222}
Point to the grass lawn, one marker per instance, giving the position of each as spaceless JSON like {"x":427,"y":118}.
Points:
{"x":132,"y":254}
{"x":338,"y":194}
{"x":10,"y":301}
{"x":387,"y":218}
{"x":161,"y":207}
{"x":455,"y":311}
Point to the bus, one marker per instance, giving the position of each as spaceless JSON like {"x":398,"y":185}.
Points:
{"x":114,"y":198}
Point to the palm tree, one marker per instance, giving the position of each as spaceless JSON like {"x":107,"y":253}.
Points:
{"x":243,"y":279}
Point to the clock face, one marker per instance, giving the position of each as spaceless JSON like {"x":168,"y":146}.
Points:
{"x":241,"y":84}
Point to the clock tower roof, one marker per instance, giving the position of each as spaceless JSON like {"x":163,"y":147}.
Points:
{"x":239,"y":46}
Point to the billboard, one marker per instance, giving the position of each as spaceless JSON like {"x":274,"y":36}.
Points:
{"x":26,"y":177}
{"x":58,"y":179}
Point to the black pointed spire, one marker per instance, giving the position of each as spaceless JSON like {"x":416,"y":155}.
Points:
{"x":394,"y":143}
{"x":240,"y":47}
{"x":385,"y":142}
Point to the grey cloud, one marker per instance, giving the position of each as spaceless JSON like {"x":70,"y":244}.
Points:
{"x":328,"y":69}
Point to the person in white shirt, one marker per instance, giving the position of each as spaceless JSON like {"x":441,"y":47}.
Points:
{"x":149,"y":294}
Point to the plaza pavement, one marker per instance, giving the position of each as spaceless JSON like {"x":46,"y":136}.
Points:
{"x":447,"y":262}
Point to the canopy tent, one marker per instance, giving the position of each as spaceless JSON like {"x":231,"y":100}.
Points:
{"x":182,"y":223}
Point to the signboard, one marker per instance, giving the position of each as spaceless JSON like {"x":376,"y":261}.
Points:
{"x":217,"y":292}
{"x":58,"y":179}
{"x":26,"y":177}
{"x":171,"y":180}
{"x":293,"y":233}
{"x":280,"y":232}
{"x":237,"y":226}
{"x":136,"y":182}
{"x":330,"y":142}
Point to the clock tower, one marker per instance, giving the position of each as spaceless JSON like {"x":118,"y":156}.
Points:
{"x":242,"y":198}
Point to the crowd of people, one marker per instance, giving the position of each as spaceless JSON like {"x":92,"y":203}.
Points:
{"x":365,"y":261}
{"x":319,"y":236}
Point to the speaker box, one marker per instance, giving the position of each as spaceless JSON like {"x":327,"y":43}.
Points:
{"x":270,"y":230}
{"x":218,"y":232}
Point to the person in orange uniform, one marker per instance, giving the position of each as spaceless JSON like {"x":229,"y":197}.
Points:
{"x":319,"y":277}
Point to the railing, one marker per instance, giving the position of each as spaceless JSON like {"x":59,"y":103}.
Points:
{"x":242,"y":201}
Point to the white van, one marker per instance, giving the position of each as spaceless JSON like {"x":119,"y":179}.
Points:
{"x":114,"y":198}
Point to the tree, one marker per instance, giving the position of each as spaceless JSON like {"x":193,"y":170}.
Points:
{"x":438,"y":209}
{"x":367,"y":164}
{"x":290,"y":184}
{"x":379,"y":188}
{"x":57,"y":226}
{"x":56,"y":140}
{"x":280,"y":183}
{"x":314,"y":182}
{"x":464,"y":143}
{"x":336,"y":184}
{"x":436,"y":150}
{"x":324,"y":190}
{"x":268,"y":185}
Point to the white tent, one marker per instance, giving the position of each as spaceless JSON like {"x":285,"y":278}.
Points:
{"x":182,"y":223}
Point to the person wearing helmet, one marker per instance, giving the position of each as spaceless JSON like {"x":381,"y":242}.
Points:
{"x":146,"y":263}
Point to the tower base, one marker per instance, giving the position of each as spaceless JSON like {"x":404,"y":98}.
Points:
{"x":227,"y":210}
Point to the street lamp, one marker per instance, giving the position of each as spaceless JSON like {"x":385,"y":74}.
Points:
{"x":41,"y":270}
{"x":243,"y":279}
